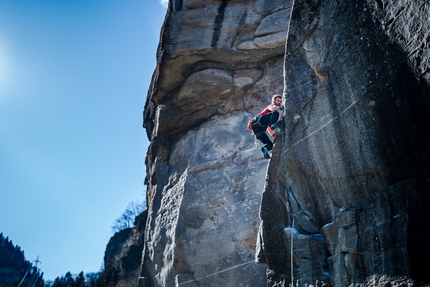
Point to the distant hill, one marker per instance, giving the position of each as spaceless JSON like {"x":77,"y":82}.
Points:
{"x":14,"y":267}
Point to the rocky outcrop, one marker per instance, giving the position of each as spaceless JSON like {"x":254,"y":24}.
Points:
{"x":123,"y":255}
{"x":345,"y":197}
{"x":350,"y":184}
{"x":219,"y":63}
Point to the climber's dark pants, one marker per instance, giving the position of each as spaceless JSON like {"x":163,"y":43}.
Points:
{"x":260,"y":129}
{"x":264,"y":138}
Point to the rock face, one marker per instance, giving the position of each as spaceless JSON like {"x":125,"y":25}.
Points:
{"x":345,"y":198}
{"x":219,"y":63}
{"x":123,"y":255}
{"x":352,"y":167}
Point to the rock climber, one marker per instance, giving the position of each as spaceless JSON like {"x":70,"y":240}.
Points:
{"x":267,"y":120}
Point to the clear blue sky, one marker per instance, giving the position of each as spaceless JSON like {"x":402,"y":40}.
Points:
{"x":74,"y":75}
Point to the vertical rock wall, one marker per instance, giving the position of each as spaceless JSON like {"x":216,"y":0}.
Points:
{"x":219,"y":63}
{"x":349,"y":189}
{"x":346,"y":193}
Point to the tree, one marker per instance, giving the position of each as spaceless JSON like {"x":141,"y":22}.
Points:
{"x":17,"y":270}
{"x":91,"y":278}
{"x":126,"y":220}
{"x":80,"y":280}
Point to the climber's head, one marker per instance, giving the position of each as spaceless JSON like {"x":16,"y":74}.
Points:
{"x":277,"y":100}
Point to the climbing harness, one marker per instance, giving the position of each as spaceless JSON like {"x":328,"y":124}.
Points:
{"x":257,"y":122}
{"x":254,"y":121}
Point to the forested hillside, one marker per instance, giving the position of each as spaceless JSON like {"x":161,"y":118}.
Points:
{"x":14,"y":267}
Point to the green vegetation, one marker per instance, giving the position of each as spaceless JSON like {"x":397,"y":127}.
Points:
{"x":14,"y":269}
{"x":127,"y":218}
{"x":80,"y":280}
{"x":122,"y":257}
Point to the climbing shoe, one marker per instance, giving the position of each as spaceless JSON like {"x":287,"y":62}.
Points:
{"x":265,"y":152}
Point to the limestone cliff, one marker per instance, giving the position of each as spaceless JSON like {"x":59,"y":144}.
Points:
{"x":352,"y":169}
{"x":349,"y":177}
{"x":219,"y":62}
{"x":123,"y":255}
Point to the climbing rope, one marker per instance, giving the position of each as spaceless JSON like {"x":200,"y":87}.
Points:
{"x":292,"y":246}
{"x":283,"y":136}
{"x":221,"y":271}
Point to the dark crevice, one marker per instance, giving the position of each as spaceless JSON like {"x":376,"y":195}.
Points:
{"x":218,"y":23}
{"x":389,"y":22}
{"x":178,"y":5}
